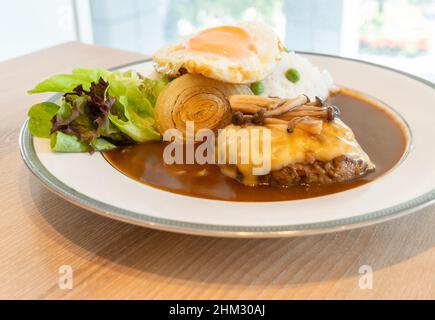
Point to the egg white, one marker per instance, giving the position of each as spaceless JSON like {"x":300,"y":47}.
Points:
{"x":252,"y":67}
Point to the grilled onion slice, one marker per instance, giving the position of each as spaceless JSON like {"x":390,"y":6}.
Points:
{"x":196,"y":98}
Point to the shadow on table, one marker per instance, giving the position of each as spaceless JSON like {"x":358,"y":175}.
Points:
{"x":232,"y":261}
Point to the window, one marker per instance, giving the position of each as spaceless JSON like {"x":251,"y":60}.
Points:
{"x":399,"y":33}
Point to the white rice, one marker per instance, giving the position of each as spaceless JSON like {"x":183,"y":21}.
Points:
{"x":313,"y":82}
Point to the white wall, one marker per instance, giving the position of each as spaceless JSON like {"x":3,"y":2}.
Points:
{"x":30,"y":25}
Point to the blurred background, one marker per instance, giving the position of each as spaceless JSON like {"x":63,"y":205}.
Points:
{"x":397,"y":33}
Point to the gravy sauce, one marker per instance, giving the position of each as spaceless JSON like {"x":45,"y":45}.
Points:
{"x":379,"y":134}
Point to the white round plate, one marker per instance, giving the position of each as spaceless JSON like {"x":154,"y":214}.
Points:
{"x":92,"y":183}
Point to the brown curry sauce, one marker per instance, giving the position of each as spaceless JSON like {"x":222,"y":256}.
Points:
{"x":378,"y":133}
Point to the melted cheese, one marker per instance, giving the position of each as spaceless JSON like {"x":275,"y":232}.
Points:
{"x":336,"y":139}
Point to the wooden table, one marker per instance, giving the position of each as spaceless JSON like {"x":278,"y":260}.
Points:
{"x":40,"y":233}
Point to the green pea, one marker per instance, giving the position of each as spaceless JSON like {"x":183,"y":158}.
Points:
{"x":257,"y":88}
{"x":292,"y":75}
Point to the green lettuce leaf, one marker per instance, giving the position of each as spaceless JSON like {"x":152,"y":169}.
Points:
{"x":133,"y":112}
{"x":61,"y":142}
{"x":138,"y":127}
{"x":152,"y":88}
{"x":40,"y":116}
{"x":68,"y":82}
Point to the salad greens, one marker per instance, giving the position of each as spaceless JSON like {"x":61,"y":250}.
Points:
{"x":61,"y":142}
{"x":99,"y":110}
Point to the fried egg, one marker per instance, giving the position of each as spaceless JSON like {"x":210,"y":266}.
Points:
{"x":243,"y":53}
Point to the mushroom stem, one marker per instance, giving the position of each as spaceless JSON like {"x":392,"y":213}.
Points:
{"x":309,"y":107}
{"x":286,"y":106}
{"x":282,"y":127}
{"x":245,"y":108}
{"x":318,"y":102}
{"x":302,"y":113}
{"x":267,"y":103}
{"x":275,"y":121}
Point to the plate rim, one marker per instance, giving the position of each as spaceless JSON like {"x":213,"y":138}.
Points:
{"x":34,"y":164}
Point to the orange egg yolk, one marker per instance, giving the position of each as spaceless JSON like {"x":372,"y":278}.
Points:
{"x":228,"y":41}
